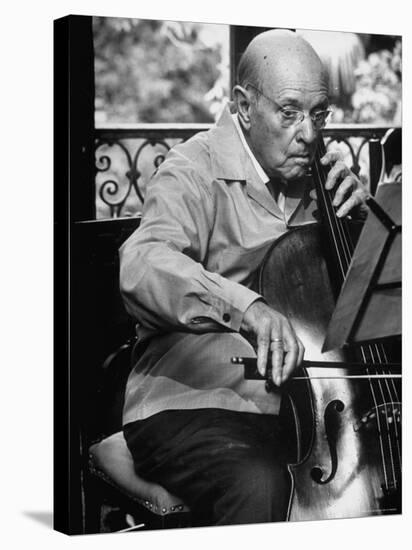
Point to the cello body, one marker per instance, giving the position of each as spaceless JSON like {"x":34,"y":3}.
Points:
{"x":348,"y":431}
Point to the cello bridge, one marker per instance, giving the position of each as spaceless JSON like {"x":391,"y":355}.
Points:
{"x":385,"y":414}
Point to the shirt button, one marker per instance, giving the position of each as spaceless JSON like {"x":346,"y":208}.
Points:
{"x":226,"y":317}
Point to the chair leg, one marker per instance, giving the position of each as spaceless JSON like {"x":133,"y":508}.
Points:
{"x":107,"y":511}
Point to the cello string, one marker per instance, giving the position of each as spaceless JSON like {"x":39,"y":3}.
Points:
{"x":333,"y":225}
{"x":346,"y":248}
{"x":396,"y":411}
{"x":395,"y":406}
{"x":331,"y":219}
{"x":395,"y":402}
{"x":337,"y":234}
{"x":374,"y":383}
{"x":375,"y":351}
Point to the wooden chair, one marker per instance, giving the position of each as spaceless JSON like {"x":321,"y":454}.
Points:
{"x":121,"y":499}
{"x":114,"y":496}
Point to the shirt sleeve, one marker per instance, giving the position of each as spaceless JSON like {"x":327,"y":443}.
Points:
{"x":162,"y":277}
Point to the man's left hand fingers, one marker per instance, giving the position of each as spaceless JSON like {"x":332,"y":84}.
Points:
{"x":338,"y":172}
{"x":331,"y":157}
{"x":344,"y":188}
{"x":355,"y":199}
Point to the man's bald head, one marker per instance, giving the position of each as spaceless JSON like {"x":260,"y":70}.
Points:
{"x":280,"y":78}
{"x":277,"y":51}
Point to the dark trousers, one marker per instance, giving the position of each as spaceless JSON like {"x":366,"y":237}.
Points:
{"x":229,"y":467}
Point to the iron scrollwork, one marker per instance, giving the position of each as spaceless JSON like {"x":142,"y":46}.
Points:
{"x":122,"y":191}
{"x":114,"y":193}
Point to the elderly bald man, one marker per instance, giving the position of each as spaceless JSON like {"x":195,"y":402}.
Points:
{"x":212,"y":210}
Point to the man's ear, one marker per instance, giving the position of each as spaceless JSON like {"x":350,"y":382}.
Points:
{"x":241,"y":99}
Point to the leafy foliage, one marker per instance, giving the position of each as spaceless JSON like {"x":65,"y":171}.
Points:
{"x":158,"y":71}
{"x":378,"y":89}
{"x":378,"y":92}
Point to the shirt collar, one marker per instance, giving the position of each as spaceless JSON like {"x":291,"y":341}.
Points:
{"x":261,"y":173}
{"x":230,"y":159}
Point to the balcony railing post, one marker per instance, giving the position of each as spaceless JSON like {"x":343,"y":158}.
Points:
{"x":375,"y":162}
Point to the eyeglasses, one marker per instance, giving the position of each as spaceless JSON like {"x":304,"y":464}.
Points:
{"x":291,"y":117}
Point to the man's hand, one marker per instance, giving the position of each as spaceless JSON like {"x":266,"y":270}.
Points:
{"x":273,"y":332}
{"x":350,"y":191}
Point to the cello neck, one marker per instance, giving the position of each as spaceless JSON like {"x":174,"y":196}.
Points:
{"x":340,"y":247}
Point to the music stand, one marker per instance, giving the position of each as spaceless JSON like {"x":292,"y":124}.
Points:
{"x":369,"y":305}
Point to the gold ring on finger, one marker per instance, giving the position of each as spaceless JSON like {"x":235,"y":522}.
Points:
{"x":276,"y":344}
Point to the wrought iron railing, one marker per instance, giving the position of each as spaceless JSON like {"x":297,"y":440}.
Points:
{"x":127,"y":155}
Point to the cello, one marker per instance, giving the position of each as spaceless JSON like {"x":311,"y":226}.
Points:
{"x":348,"y":425}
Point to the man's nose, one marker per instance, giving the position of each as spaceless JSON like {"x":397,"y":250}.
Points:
{"x":307,"y":131}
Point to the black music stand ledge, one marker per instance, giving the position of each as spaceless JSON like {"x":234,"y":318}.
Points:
{"x":369,"y":305}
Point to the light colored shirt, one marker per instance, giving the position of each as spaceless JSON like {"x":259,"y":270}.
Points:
{"x":187,"y":273}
